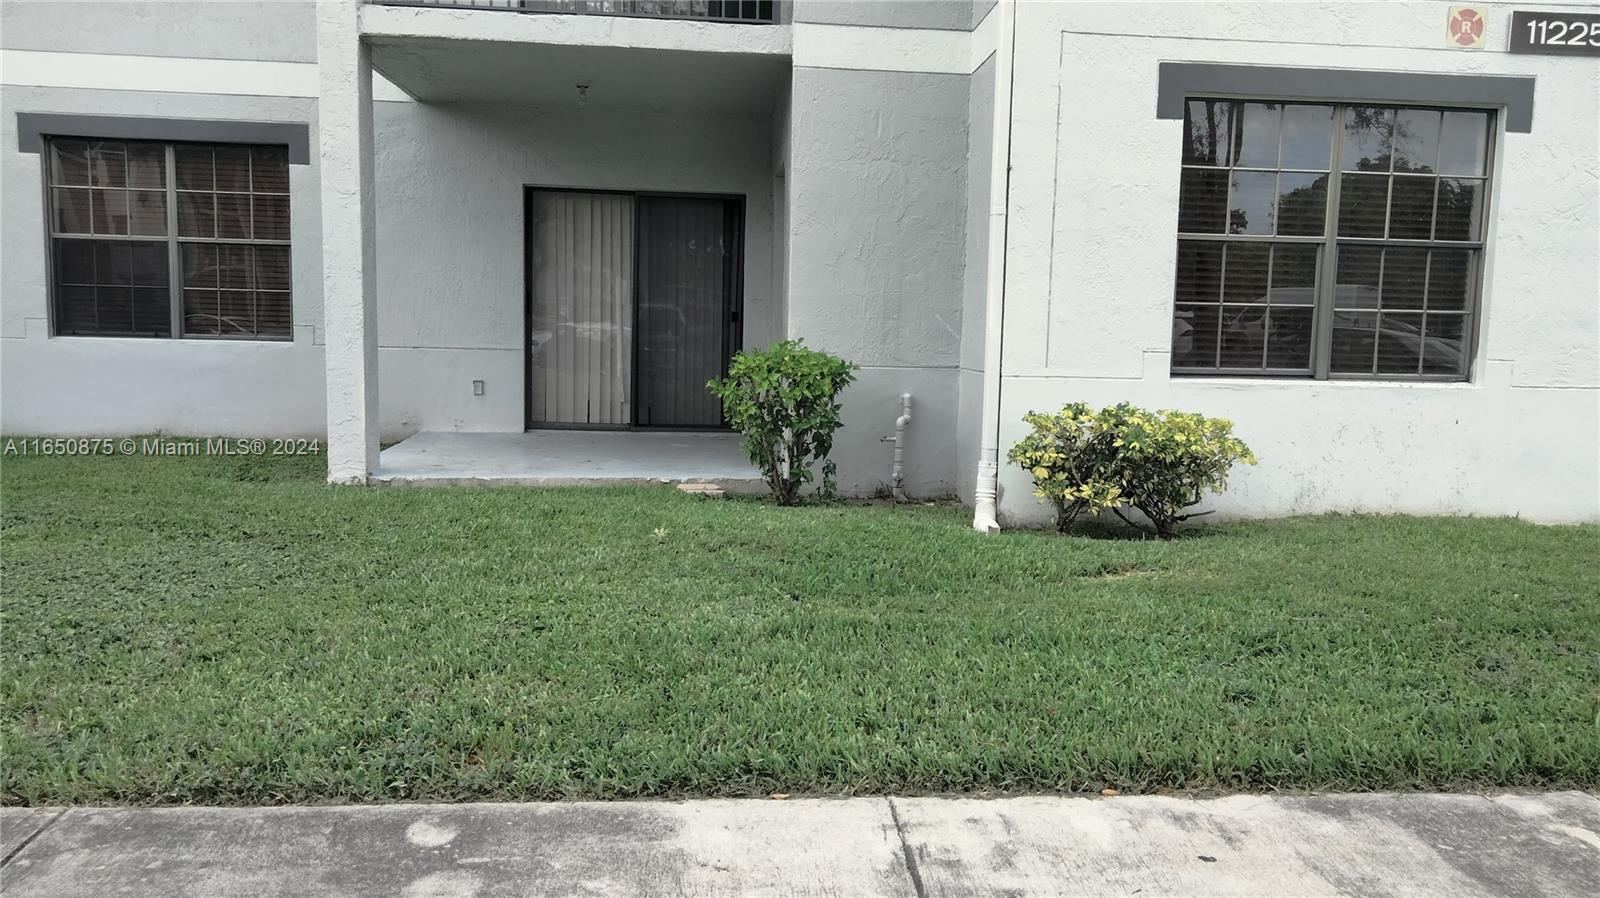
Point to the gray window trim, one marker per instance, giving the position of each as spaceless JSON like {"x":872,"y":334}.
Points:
{"x":1178,"y":80}
{"x":34,"y":127}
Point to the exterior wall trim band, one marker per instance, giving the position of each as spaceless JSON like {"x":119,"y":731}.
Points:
{"x":32,"y":127}
{"x":1177,"y":80}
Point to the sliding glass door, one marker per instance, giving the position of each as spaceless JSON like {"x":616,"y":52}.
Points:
{"x":686,"y":268}
{"x":632,"y":307}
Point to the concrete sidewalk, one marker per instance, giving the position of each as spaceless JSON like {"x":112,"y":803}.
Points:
{"x":1366,"y":845}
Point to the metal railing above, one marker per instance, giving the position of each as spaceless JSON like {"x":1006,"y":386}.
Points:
{"x":749,"y":12}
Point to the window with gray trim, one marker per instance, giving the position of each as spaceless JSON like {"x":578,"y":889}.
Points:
{"x":160,"y":239}
{"x":1329,"y":240}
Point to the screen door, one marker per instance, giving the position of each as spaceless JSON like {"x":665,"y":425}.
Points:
{"x":684,"y":310}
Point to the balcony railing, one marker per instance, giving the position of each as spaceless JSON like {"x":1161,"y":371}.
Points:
{"x":749,"y":12}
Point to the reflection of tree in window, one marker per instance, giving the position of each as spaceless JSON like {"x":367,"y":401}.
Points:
{"x":1208,"y":134}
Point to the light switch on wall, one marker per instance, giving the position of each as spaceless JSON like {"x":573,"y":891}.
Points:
{"x":477,"y":388}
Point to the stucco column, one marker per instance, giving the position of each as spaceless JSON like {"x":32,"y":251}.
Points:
{"x":349,"y":298}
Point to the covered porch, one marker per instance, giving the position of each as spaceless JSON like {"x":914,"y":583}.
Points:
{"x":567,"y":222}
{"x":568,"y":458}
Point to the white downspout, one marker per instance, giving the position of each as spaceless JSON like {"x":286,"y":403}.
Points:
{"x":984,"y":512}
{"x":897,"y":473}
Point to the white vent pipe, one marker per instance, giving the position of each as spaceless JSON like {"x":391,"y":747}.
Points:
{"x":897,"y":473}
{"x":984,"y":511}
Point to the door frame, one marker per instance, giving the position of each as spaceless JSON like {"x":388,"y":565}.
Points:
{"x":733,"y":311}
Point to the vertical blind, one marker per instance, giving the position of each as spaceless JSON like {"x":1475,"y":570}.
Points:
{"x":580,"y":337}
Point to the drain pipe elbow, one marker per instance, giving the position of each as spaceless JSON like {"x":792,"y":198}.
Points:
{"x":985,"y":518}
{"x":897,"y":473}
{"x":984,"y":509}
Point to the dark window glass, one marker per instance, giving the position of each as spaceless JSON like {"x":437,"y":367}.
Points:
{"x":1405,"y":276}
{"x":1406,"y":189}
{"x":1251,"y":202}
{"x":271,"y":217}
{"x":1203,"y":201}
{"x":108,"y":164}
{"x":1416,"y":140}
{"x":110,"y":211}
{"x":1355,"y":340}
{"x":1367,"y":138}
{"x":1208,"y":130}
{"x":1244,"y":336}
{"x":1199,"y":276}
{"x":147,"y":165}
{"x":1358,"y":275}
{"x":233,"y":216}
{"x":1463,"y":143}
{"x":1289,"y":337}
{"x":1459,"y":201}
{"x":1363,"y":205}
{"x":1399,"y":347}
{"x":269,"y":170}
{"x":194,"y":168}
{"x":1257,"y":135}
{"x":226,"y":200}
{"x":70,"y":210}
{"x":1307,"y":137}
{"x":69,"y":163}
{"x":235,"y":290}
{"x":1302,"y":204}
{"x":233,"y":169}
{"x":197,"y":214}
{"x":272,"y":267}
{"x":1411,"y":208}
{"x":1444,"y":344}
{"x":1294,"y":274}
{"x":1450,"y":279}
{"x":1194,"y":336}
{"x":111,"y":288}
{"x":1244,"y":273}
{"x":147,"y":213}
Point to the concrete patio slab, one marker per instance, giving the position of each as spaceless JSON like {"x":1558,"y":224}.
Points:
{"x":568,"y":458}
{"x":1250,"y":845}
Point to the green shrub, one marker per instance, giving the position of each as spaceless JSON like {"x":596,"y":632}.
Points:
{"x":784,"y":400}
{"x":1123,"y":456}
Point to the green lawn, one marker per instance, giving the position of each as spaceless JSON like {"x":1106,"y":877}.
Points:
{"x":234,"y":631}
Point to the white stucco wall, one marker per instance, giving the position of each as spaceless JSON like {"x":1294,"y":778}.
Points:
{"x":932,"y":14}
{"x":449,"y":213}
{"x":450,"y":278}
{"x":877,"y":252}
{"x":109,"y":386}
{"x":274,"y":30}
{"x":1093,"y":212}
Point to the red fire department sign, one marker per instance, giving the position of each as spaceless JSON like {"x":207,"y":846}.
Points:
{"x":1464,"y":28}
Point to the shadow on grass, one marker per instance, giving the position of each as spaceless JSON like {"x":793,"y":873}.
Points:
{"x":1116,"y":531}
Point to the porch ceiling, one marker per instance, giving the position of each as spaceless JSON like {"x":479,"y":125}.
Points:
{"x":523,"y":74}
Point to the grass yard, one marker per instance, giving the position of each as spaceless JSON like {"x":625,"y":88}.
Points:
{"x":233,"y":631}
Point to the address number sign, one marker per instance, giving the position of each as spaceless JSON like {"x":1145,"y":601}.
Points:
{"x":1564,"y":33}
